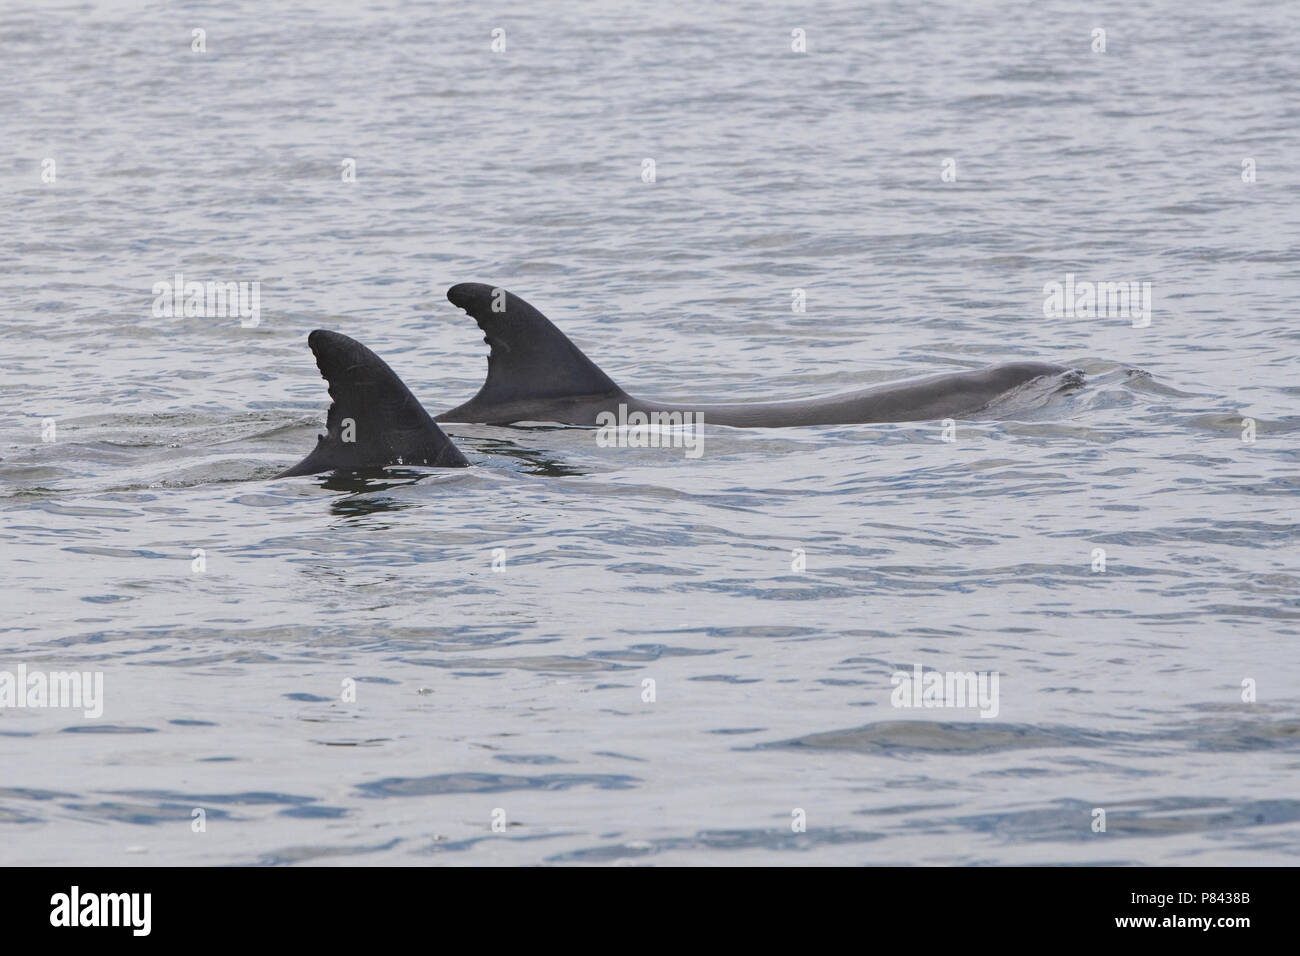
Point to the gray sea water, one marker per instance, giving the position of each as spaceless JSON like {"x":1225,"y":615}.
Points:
{"x":681,"y":661}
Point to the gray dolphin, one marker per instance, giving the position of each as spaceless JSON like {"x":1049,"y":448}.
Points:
{"x":536,"y":374}
{"x":374,"y":420}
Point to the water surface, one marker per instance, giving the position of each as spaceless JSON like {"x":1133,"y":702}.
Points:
{"x":517,"y":695}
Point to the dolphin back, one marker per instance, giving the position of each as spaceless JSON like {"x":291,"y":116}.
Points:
{"x":536,"y":374}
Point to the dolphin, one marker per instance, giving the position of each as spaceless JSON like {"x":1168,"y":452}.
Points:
{"x":536,"y":374}
{"x":374,"y":420}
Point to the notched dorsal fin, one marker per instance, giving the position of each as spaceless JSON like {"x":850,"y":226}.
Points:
{"x":530,"y":358}
{"x":374,"y":420}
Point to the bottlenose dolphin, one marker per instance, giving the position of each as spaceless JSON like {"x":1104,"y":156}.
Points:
{"x":536,"y":374}
{"x":374,"y":420}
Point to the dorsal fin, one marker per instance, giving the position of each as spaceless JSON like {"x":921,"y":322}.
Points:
{"x":530,"y":358}
{"x":388,"y":426}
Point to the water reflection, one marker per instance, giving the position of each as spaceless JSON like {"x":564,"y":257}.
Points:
{"x":378,"y":479}
{"x":529,"y":461}
{"x":363,"y":487}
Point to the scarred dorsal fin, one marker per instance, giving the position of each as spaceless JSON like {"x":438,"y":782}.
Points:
{"x":373,"y":408}
{"x":530,"y":358}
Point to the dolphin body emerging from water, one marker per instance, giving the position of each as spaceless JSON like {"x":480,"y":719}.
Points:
{"x":374,"y":420}
{"x":536,"y":374}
